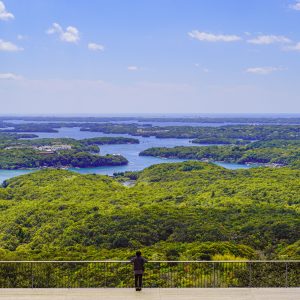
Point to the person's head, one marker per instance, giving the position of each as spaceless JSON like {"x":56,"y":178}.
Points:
{"x":138,"y":253}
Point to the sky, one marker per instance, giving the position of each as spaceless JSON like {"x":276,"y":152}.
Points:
{"x":149,"y":56}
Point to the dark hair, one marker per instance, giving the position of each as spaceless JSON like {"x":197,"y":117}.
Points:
{"x":138,"y":253}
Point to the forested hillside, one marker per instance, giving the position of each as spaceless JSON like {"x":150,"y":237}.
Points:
{"x":189,"y":210}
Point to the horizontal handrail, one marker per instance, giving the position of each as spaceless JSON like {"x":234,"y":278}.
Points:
{"x":150,"y":261}
{"x":158,"y":273}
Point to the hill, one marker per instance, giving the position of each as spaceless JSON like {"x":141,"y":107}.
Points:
{"x":189,"y":210}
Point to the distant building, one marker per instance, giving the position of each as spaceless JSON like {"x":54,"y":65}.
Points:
{"x":53,"y":148}
{"x":46,"y":149}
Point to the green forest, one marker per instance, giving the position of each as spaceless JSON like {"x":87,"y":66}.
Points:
{"x":30,"y":158}
{"x":241,"y":132}
{"x":184,"y":211}
{"x":17,"y":151}
{"x":187,"y":211}
{"x":233,"y":133}
{"x":276,"y":152}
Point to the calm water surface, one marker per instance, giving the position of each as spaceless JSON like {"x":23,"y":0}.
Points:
{"x":130,"y":151}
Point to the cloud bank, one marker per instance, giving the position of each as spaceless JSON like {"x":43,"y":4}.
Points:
{"x":269,"y":39}
{"x":95,"y":47}
{"x":9,"y":47}
{"x":70,"y":35}
{"x":132,"y":68}
{"x":4,"y":14}
{"x":210,"y":37}
{"x":293,"y":48}
{"x":9,"y":76}
{"x":295,"y":6}
{"x":263,"y":70}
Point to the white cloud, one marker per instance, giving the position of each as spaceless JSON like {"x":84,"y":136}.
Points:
{"x":295,"y":6}
{"x":269,"y":39}
{"x":209,"y":37}
{"x":95,"y":47}
{"x":205,"y":70}
{"x":4,"y":14}
{"x":21,"y":37}
{"x":8,"y":46}
{"x":70,"y":35}
{"x":263,"y":70}
{"x":293,"y":48}
{"x":132,"y":68}
{"x":9,"y":76}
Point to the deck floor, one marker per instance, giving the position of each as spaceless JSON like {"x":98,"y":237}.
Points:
{"x":152,"y":294}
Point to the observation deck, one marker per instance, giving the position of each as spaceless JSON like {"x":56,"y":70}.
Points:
{"x":152,"y":294}
{"x":210,"y":280}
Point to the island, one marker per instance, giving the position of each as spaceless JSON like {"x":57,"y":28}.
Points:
{"x":19,"y":153}
{"x":274,"y":153}
{"x":236,"y":134}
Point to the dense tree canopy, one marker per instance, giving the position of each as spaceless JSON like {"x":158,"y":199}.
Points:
{"x":282,"y":152}
{"x":17,"y":153}
{"x":233,"y":133}
{"x":186,"y":210}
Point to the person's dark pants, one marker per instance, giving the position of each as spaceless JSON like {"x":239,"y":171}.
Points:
{"x":138,"y":278}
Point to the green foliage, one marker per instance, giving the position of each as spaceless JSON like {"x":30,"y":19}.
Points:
{"x":109,"y":140}
{"x":290,"y":252}
{"x":237,"y":134}
{"x":187,"y":210}
{"x":277,"y":152}
{"x":12,"y":140}
{"x":224,"y":141}
{"x":31,"y":158}
{"x":28,"y":153}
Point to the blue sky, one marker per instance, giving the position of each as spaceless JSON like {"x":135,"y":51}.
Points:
{"x":149,"y":56}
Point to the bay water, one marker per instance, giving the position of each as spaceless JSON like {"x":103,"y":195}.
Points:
{"x":130,"y":151}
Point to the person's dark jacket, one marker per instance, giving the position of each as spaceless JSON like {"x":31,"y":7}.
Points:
{"x":138,"y":264}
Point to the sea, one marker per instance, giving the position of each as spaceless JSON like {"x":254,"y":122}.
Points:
{"x":130,"y":151}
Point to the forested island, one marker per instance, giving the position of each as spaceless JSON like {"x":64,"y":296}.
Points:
{"x":19,"y":153}
{"x":266,"y":144}
{"x":241,"y":132}
{"x":30,"y":158}
{"x":109,"y":141}
{"x":183,"y":211}
{"x":219,"y":141}
{"x":275,"y":152}
{"x":238,"y":134}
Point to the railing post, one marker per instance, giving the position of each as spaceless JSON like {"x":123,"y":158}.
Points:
{"x":250,"y":274}
{"x":214,"y":280}
{"x":286,"y":274}
{"x":69,"y":274}
{"x":39,"y":274}
{"x":32,"y":277}
{"x":47,"y":277}
{"x":105,"y":270}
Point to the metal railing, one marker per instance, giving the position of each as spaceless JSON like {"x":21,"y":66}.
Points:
{"x":166,"y":274}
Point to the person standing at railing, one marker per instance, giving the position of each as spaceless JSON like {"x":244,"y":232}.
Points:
{"x":138,"y":269}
